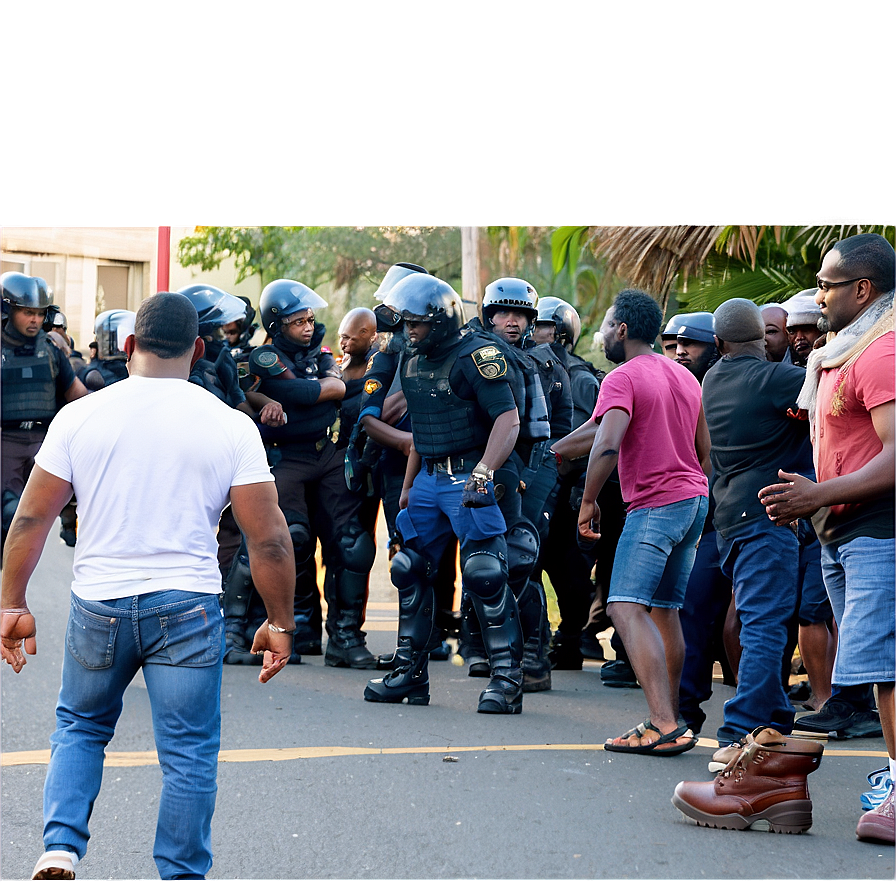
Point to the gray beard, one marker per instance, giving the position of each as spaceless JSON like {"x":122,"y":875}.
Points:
{"x":824,"y":325}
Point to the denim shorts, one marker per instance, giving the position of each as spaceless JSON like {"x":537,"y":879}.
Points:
{"x":859,"y":577}
{"x":656,"y":552}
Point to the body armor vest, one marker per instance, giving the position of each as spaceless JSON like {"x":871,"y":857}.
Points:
{"x":442,"y":422}
{"x":29,"y":381}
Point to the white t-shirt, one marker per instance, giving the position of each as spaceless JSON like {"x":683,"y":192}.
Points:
{"x":151,"y":462}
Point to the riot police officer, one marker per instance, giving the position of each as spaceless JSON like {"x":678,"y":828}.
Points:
{"x":37,"y":379}
{"x":309,"y":472}
{"x":508,"y":313}
{"x":110,"y":364}
{"x":464,"y":423}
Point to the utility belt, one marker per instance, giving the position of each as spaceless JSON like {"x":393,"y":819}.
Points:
{"x":26,"y":424}
{"x":453,"y":463}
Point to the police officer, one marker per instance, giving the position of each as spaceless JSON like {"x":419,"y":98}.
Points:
{"x":37,"y":379}
{"x":111,"y":363}
{"x":309,"y":472}
{"x":695,"y":346}
{"x":508,"y":313}
{"x":216,"y":372}
{"x":464,"y":422}
{"x":385,"y":423}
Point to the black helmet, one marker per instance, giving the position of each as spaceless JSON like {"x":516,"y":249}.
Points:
{"x":214,"y":306}
{"x":21,"y":291}
{"x":565,"y":318}
{"x":426,"y":298}
{"x":111,"y":329}
{"x":281,"y":298}
{"x":697,"y":325}
{"x":509,"y":293}
{"x":394,"y":274}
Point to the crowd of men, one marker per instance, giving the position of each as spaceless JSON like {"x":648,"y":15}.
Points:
{"x":724,"y":494}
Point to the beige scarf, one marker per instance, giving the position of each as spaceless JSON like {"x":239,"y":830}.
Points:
{"x":841,"y":352}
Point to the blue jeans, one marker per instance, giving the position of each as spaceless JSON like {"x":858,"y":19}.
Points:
{"x":858,"y":576}
{"x":656,"y":552}
{"x":177,"y":638}
{"x":763,"y":562}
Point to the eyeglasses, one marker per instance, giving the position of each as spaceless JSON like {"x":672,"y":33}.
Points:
{"x":824,"y":286}
{"x":298,"y":322}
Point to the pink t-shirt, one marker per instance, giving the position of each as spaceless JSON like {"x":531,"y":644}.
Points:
{"x":847,"y":441}
{"x":657,"y":459}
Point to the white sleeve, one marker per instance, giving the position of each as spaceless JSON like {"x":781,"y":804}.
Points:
{"x":250,"y":461}
{"x":53,"y":455}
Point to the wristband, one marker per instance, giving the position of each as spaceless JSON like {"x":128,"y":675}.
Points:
{"x":280,"y":631}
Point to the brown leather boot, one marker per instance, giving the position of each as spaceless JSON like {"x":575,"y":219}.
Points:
{"x":763,"y":787}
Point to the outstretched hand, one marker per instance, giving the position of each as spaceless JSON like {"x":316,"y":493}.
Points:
{"x":277,"y":649}
{"x":18,"y":633}
{"x":792,"y":499}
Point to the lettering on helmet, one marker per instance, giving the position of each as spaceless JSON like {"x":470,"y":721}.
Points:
{"x":372,"y":386}
{"x":490,"y":362}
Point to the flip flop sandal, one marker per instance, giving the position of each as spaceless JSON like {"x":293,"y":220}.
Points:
{"x":655,"y":748}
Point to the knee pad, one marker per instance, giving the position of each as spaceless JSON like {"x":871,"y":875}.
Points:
{"x":407,"y":568}
{"x":522,"y":550}
{"x":302,"y":540}
{"x":356,"y":550}
{"x":484,"y":575}
{"x":10,"y":502}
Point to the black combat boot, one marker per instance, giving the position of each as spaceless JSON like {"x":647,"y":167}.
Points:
{"x":346,"y":645}
{"x":536,"y":631}
{"x":409,"y":679}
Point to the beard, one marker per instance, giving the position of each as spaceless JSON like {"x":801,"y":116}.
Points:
{"x":824,"y":325}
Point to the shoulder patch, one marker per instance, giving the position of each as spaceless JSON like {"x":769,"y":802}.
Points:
{"x":267,"y":361}
{"x":372,"y":386}
{"x":490,"y":362}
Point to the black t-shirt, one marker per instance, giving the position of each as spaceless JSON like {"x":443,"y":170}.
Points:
{"x":745,"y":400}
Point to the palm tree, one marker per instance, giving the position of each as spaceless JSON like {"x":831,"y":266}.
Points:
{"x":699,"y":267}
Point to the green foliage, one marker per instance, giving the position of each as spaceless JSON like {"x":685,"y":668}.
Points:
{"x":352,"y":257}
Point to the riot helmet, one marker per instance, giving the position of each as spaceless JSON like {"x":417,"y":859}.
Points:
{"x":111,"y":328}
{"x":509,"y":294}
{"x":281,"y":298}
{"x":696,"y":325}
{"x":394,"y":274}
{"x":565,"y":318}
{"x":422,"y":297}
{"x":214,"y":306}
{"x":21,"y":291}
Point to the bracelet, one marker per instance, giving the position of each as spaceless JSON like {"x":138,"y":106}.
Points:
{"x":280,"y":631}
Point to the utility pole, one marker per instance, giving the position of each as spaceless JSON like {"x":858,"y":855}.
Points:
{"x":470,"y":281}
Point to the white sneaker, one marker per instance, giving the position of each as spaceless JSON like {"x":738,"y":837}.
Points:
{"x":57,"y":864}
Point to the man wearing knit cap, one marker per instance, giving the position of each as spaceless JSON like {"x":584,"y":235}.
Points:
{"x":746,"y":399}
{"x":802,"y":325}
{"x":850,"y":395}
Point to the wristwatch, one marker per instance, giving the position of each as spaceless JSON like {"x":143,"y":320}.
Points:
{"x":481,"y":473}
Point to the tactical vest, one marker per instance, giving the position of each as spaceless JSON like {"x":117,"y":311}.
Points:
{"x":443,"y":423}
{"x":584,"y":381}
{"x":29,"y":382}
{"x":522,"y":372}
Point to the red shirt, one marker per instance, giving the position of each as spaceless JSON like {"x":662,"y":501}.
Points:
{"x":845,"y":442}
{"x":657,"y":459}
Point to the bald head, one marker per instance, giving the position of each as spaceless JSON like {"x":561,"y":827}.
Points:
{"x":775,"y":319}
{"x":357,"y":333}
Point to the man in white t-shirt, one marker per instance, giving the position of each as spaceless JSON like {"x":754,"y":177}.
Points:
{"x":150,"y":486}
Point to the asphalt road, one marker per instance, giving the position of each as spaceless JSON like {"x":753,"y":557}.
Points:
{"x":315,"y":784}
